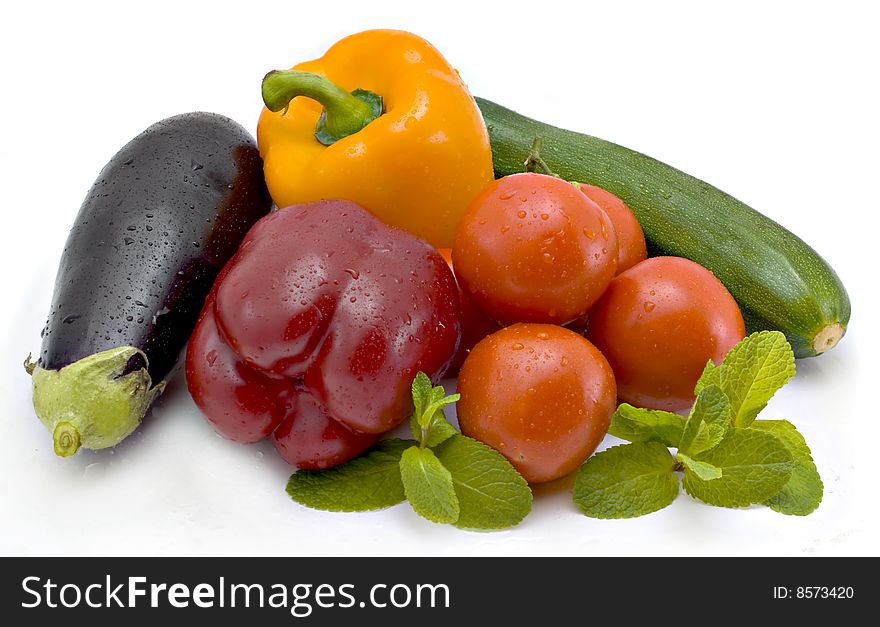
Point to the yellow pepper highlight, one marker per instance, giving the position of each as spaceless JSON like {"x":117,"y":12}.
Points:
{"x":416,"y":166}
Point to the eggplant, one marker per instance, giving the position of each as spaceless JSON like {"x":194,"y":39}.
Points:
{"x":158,"y":224}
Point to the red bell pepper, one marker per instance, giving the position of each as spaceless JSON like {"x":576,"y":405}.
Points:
{"x":315,"y":330}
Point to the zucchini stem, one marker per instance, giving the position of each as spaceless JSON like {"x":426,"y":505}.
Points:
{"x":828,"y":337}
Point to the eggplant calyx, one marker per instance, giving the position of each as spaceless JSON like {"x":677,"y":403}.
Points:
{"x":93,"y":402}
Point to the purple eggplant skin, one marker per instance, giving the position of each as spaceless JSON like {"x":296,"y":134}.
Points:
{"x":158,"y":224}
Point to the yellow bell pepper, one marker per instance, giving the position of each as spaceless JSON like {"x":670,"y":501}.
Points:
{"x":385,"y":122}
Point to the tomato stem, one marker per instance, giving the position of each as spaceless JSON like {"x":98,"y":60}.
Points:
{"x":534,"y":162}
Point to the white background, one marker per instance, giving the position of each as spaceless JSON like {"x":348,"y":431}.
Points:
{"x":775,"y":103}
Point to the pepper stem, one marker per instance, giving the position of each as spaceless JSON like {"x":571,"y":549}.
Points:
{"x":344,"y":113}
{"x":535,"y":163}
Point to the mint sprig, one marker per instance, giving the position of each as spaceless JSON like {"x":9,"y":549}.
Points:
{"x":428,"y":422}
{"x":726,"y":457}
{"x":446,"y":476}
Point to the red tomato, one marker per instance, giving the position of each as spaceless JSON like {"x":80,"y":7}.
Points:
{"x":658,"y":324}
{"x":539,"y":394}
{"x":532,"y":248}
{"x":475,"y":325}
{"x":630,"y":237}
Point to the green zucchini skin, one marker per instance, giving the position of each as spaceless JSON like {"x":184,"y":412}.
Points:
{"x":779,"y":282}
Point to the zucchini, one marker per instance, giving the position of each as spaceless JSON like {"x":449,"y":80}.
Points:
{"x":779,"y":282}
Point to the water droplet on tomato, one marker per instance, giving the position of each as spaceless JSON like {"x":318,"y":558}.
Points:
{"x":517,"y":346}
{"x":649,"y":306}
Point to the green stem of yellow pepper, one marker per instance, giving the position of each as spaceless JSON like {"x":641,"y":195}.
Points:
{"x":344,"y":113}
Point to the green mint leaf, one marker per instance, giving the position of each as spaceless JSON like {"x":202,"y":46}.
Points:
{"x":710,"y":376}
{"x":436,"y":406}
{"x":754,"y":467}
{"x":646,"y":425}
{"x":439,"y":430}
{"x":752,"y":372}
{"x":708,"y":421}
{"x":703,"y":470}
{"x":626,"y":481}
{"x":421,"y":392}
{"x":428,"y":423}
{"x":371,"y":481}
{"x":428,"y":485}
{"x":803,"y":492}
{"x":437,"y":394}
{"x":491,"y":493}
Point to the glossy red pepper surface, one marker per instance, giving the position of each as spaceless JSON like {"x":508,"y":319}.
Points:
{"x":315,"y":330}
